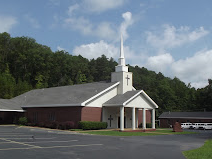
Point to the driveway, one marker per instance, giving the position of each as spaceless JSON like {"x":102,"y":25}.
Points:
{"x":28,"y":142}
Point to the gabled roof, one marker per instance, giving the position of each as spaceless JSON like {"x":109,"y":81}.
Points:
{"x":73,"y":95}
{"x":9,"y":105}
{"x":123,"y":99}
{"x":187,"y":115}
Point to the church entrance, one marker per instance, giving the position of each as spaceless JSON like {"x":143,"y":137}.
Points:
{"x":124,"y":122}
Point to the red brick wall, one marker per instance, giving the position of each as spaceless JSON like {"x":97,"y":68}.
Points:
{"x":165,"y":123}
{"x":140,"y":116}
{"x":10,"y":117}
{"x":91,"y":114}
{"x":62,"y":114}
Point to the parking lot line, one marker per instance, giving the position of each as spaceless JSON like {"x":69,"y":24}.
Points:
{"x":50,"y":141}
{"x":31,"y":138}
{"x":51,"y":147}
{"x":5,"y":133}
{"x":15,"y":135}
{"x":16,"y":142}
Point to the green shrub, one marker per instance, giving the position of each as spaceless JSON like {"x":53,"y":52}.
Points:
{"x":148,"y":125}
{"x":92,"y":125}
{"x":140,"y":125}
{"x":22,"y":121}
{"x":156,"y":125}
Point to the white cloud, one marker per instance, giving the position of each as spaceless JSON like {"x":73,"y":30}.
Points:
{"x":196,"y":69}
{"x":160,"y":63}
{"x":172,"y":37}
{"x":80,"y":23}
{"x":60,"y":48}
{"x":126,"y":23}
{"x":72,"y":8}
{"x":6,"y":23}
{"x":95,"y":50}
{"x":34,"y":23}
{"x":102,"y":5}
{"x":104,"y":30}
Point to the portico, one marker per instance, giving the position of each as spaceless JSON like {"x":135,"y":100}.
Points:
{"x":122,"y":113}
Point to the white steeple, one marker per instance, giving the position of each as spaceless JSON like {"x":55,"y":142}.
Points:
{"x":121,"y":58}
{"x":121,"y":65}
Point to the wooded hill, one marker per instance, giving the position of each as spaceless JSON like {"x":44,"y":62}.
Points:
{"x":26,"y":65}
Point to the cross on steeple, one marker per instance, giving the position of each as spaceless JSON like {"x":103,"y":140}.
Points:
{"x":110,"y":119}
{"x":127,"y":79}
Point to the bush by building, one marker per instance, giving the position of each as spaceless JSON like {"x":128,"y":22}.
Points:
{"x":92,"y":125}
{"x":22,"y":121}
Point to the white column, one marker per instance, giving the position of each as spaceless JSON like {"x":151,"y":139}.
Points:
{"x":133,"y":118}
{"x":121,"y":118}
{"x":153,"y":118}
{"x":144,"y":118}
{"x":136,"y":118}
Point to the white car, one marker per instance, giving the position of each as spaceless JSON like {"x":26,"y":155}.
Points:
{"x":196,"y":125}
{"x":207,"y":126}
{"x":186,"y":125}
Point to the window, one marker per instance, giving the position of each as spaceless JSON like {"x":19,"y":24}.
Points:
{"x":52,"y":116}
{"x":168,"y":121}
{"x":35,"y":117}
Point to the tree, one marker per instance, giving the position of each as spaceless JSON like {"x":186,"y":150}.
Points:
{"x":80,"y":78}
{"x":22,"y":87}
{"x":26,"y":65}
{"x":7,"y":84}
{"x":41,"y":83}
{"x":4,"y":50}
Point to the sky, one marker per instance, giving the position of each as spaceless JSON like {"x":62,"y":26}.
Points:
{"x":173,"y":37}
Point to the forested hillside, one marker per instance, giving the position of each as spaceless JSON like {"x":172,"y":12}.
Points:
{"x":26,"y":65}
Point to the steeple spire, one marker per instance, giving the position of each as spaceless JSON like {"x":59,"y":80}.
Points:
{"x":121,"y":64}
{"x":121,"y":58}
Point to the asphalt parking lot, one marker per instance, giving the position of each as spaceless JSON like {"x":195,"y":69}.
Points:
{"x":28,"y":142}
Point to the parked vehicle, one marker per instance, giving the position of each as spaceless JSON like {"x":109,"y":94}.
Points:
{"x":207,"y":126}
{"x":196,"y":125}
{"x":201,"y":126}
{"x":186,"y":125}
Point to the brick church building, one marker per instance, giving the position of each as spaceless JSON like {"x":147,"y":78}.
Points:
{"x":116,"y":102}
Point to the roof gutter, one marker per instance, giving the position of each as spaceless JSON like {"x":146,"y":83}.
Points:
{"x":11,"y":110}
{"x":51,"y":105}
{"x":185,"y":117}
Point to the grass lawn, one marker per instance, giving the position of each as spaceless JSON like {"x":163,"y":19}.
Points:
{"x":204,"y":152}
{"x":169,"y":131}
{"x":118,"y":133}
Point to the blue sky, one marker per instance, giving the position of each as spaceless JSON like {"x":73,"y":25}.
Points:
{"x":168,"y":36}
